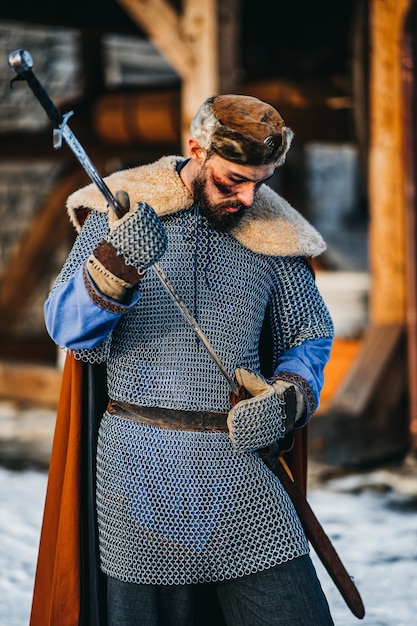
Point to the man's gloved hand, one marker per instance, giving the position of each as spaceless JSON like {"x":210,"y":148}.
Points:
{"x":268,"y":415}
{"x":135,"y":242}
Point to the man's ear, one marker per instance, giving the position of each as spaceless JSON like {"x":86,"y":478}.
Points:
{"x":196,"y":152}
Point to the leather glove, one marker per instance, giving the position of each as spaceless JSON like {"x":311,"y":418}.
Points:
{"x":268,"y":415}
{"x":135,"y":241}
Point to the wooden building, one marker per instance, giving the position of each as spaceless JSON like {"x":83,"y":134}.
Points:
{"x":341,"y":73}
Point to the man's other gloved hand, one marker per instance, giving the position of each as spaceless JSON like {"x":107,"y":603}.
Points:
{"x":268,"y":415}
{"x":135,"y":242}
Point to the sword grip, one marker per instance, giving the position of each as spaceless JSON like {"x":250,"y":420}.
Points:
{"x":50,"y":109}
{"x":240,"y":394}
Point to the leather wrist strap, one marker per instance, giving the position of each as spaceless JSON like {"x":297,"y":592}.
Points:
{"x":116,"y":264}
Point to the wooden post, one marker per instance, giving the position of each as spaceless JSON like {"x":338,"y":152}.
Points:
{"x":201,"y":79}
{"x":386,"y":167}
{"x":201,"y":44}
{"x":409,"y":66}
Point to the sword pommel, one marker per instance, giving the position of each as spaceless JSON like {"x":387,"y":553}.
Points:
{"x":20,"y":61}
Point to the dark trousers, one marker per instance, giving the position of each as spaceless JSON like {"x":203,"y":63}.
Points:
{"x":289,"y":594}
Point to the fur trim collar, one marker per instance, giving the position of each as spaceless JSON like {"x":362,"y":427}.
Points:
{"x":271,"y":225}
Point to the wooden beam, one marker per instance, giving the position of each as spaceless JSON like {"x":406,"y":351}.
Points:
{"x":366,"y":421}
{"x":162,"y":23}
{"x":200,"y":28}
{"x":198,"y":43}
{"x":377,"y":347}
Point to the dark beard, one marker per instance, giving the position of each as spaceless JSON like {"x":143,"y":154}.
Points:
{"x":216,"y":215}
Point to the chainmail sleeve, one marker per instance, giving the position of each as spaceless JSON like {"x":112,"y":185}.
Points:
{"x":296,"y":315}
{"x":93,"y":231}
{"x":297,"y":312}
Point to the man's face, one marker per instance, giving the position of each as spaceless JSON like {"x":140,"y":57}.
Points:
{"x":223,"y":190}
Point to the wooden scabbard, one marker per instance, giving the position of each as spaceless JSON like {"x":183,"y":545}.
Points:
{"x":320,"y":541}
{"x":313,"y":529}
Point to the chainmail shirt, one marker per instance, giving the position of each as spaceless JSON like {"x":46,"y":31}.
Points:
{"x":179,"y":507}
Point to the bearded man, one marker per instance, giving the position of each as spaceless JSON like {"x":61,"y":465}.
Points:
{"x":184,"y":497}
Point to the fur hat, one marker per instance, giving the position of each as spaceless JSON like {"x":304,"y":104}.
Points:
{"x":242,"y":129}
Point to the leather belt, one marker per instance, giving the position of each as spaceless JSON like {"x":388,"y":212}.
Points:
{"x":169,"y":418}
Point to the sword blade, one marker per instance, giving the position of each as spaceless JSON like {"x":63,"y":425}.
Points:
{"x":83,"y":158}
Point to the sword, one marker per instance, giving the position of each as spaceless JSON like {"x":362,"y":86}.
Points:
{"x":21,"y":62}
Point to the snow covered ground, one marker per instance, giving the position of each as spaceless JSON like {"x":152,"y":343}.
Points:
{"x":375,"y":533}
{"x":22,"y":496}
{"x":371,"y":519}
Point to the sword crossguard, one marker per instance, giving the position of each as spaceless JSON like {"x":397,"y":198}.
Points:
{"x":57,"y":132}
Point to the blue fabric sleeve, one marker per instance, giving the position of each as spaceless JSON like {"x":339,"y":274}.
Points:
{"x":308,"y":361}
{"x":74,"y":321}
